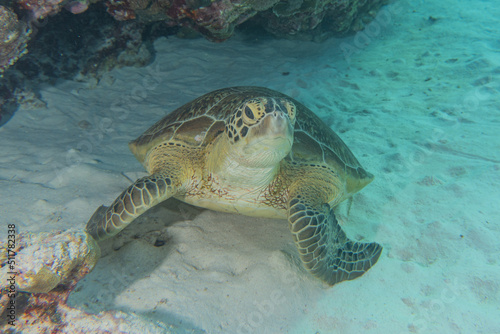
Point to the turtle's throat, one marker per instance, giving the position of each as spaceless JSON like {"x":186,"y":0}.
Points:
{"x":234,"y":169}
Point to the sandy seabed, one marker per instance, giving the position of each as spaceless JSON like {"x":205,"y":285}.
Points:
{"x":416,"y":98}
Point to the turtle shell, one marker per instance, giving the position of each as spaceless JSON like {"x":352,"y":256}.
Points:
{"x":200,"y":121}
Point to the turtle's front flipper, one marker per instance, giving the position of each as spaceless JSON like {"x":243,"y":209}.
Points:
{"x":133,"y":202}
{"x":324,"y":248}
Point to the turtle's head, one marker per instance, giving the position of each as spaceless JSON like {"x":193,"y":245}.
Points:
{"x":260,"y":131}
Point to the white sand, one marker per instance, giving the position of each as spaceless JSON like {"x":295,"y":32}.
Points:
{"x":419,"y":106}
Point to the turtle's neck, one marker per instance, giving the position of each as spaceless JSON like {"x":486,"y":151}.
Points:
{"x":232,"y":170}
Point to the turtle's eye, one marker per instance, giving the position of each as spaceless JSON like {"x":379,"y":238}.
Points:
{"x":287,"y":107}
{"x":253,"y":110}
{"x":249,"y":113}
{"x":249,"y":116}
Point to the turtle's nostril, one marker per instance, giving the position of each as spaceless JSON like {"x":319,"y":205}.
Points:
{"x":278,"y":114}
{"x":276,"y":123}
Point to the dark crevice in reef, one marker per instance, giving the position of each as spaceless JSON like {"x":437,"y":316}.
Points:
{"x":75,"y":47}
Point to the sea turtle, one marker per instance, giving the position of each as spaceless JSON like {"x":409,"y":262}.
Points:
{"x":257,"y":152}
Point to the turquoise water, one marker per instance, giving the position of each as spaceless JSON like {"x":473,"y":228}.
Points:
{"x":415,"y":96}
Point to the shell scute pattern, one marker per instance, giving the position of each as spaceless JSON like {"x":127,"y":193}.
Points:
{"x":199,"y":122}
{"x":193,"y":124}
{"x":314,"y":142}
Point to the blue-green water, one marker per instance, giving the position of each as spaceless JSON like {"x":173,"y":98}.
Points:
{"x":415,"y":96}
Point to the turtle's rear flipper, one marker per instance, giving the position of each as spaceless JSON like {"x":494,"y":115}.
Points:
{"x":324,"y":248}
{"x":134,"y":201}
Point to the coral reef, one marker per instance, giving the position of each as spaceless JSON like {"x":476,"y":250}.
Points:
{"x":48,"y":267}
{"x":14,"y":35}
{"x":93,"y":45}
{"x":214,"y":19}
{"x":40,"y":9}
{"x":318,"y":19}
{"x":49,"y":313}
{"x":46,"y":260}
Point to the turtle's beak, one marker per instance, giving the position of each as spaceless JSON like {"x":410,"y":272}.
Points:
{"x":274,"y":133}
{"x":275,"y":124}
{"x":268,"y":142}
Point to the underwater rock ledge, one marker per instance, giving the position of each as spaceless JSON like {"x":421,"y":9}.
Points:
{"x":215,"y":20}
{"x":14,"y":36}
